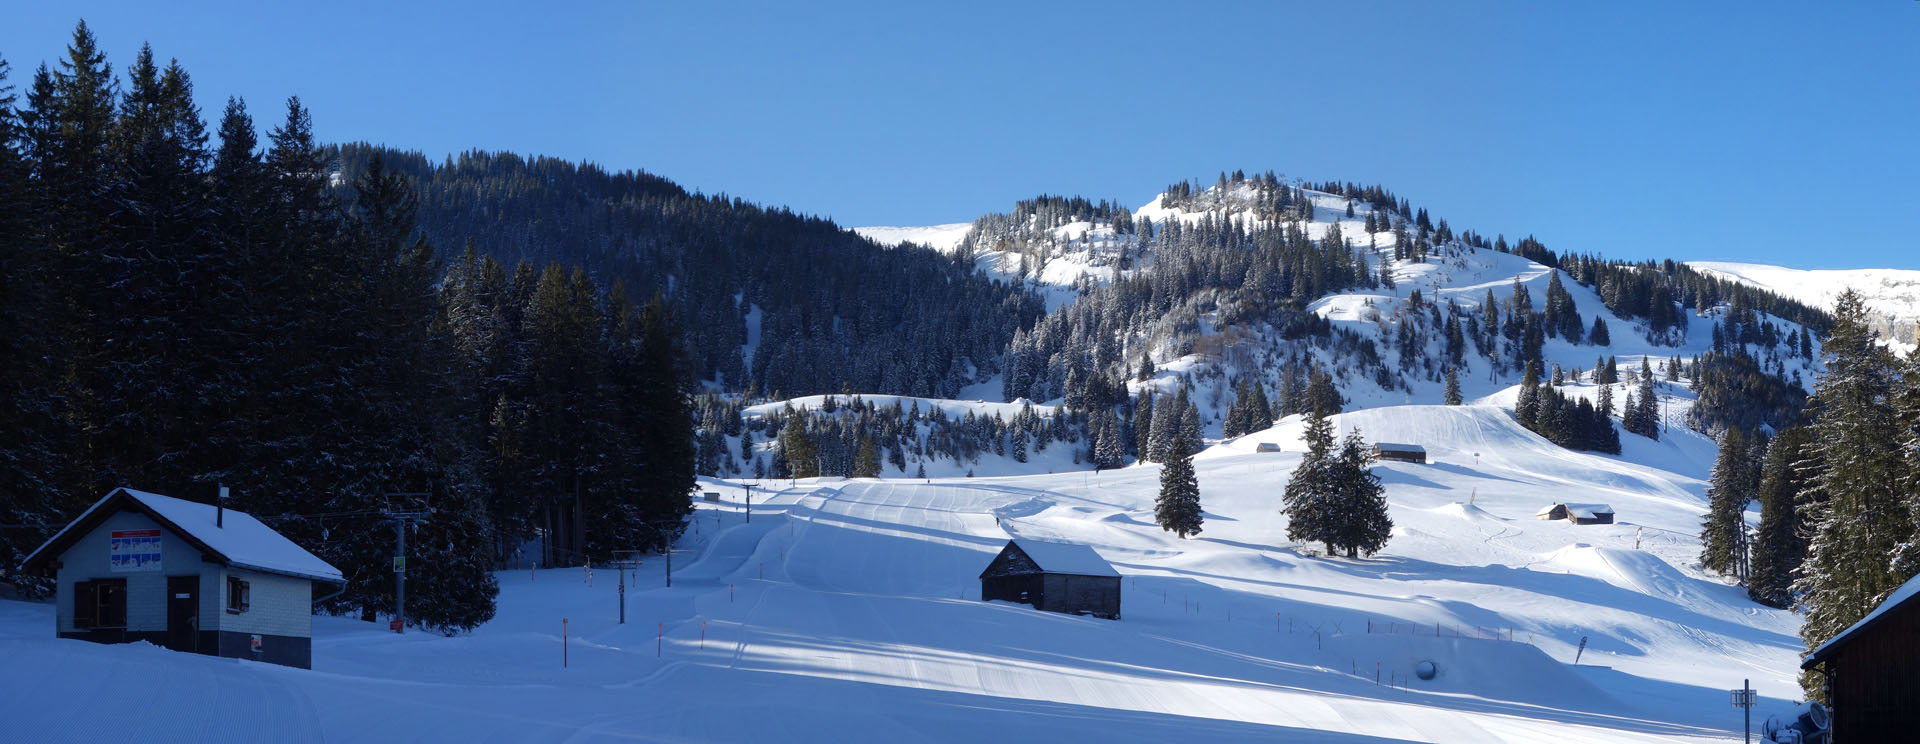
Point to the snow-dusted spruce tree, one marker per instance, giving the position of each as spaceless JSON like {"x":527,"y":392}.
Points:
{"x":1526,"y":406}
{"x":1906,"y":405}
{"x":867,"y":463}
{"x":1308,"y":498}
{"x":1322,"y":395}
{"x":1178,"y":508}
{"x":1453,"y":387}
{"x":1778,"y":545}
{"x":1143,"y":426}
{"x":1858,"y":514}
{"x":797,"y":448}
{"x":1727,"y":497}
{"x":1109,"y":449}
{"x":1189,"y":429}
{"x":1361,"y":522}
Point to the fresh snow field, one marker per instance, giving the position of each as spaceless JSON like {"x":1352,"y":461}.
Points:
{"x":849,"y":609}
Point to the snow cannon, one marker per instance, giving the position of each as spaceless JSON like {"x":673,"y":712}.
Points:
{"x":1426,"y":670}
{"x":1807,"y":724}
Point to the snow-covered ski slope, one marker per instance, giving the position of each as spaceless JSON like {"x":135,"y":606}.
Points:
{"x":851,"y":609}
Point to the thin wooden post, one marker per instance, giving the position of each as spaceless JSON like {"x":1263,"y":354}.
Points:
{"x":563,"y":643}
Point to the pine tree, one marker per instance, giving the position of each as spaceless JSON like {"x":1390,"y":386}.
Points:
{"x":803,"y":460}
{"x":1189,"y":428}
{"x":1527,"y":406}
{"x":1906,"y":410}
{"x":1166,"y":425}
{"x":1307,"y":500}
{"x":1143,"y":426}
{"x":1109,"y":452}
{"x":1321,"y":395}
{"x":1779,"y":547}
{"x":1599,"y":335}
{"x":1727,"y":497}
{"x":867,"y":463}
{"x":1453,"y":387}
{"x":1858,"y":515}
{"x":34,"y":477}
{"x":1178,"y":508}
{"x":1361,"y":522}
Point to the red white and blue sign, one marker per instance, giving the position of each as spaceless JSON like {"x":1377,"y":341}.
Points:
{"x":134,"y":550}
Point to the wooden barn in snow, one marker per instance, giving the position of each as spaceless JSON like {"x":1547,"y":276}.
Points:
{"x":1869,"y":671}
{"x":1400,"y":452}
{"x":1577,"y":513}
{"x":1056,"y":577}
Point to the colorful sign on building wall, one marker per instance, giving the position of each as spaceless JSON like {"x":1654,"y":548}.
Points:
{"x":134,"y":550}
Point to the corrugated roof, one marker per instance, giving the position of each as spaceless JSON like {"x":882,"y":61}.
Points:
{"x":242,"y":542}
{"x":1069,"y":558}
{"x":1392,"y":447}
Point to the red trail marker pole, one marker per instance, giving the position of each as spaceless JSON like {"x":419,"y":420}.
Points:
{"x":563,"y":643}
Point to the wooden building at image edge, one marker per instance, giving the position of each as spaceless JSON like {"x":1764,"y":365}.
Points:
{"x":1872,"y":672}
{"x":1056,"y":577}
{"x":191,"y":577}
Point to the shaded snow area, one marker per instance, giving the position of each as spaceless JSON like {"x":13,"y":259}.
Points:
{"x":850,"y":609}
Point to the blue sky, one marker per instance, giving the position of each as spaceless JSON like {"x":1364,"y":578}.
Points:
{"x":1772,"y":132}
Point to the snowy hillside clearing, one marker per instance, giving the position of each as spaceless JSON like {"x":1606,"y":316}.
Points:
{"x":852,"y":606}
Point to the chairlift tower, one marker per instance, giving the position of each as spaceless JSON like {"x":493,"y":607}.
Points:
{"x":401,"y":520}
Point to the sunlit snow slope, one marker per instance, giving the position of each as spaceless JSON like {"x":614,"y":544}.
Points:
{"x":850,"y":608}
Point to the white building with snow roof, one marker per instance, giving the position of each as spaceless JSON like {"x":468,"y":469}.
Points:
{"x":192,"y":577}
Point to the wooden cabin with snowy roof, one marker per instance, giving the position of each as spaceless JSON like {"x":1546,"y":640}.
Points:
{"x":1577,"y":513}
{"x":191,"y":577}
{"x":1056,"y":577}
{"x":1412,"y":453}
{"x":1868,"y":671}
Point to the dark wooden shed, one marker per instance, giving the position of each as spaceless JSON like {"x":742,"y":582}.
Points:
{"x":1056,"y":577}
{"x":1869,"y":670}
{"x":1400,"y":452}
{"x":1577,"y":513}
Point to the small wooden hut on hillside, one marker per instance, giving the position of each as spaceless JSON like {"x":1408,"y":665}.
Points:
{"x":1412,"y":453}
{"x":1056,"y":577}
{"x":1577,"y":513}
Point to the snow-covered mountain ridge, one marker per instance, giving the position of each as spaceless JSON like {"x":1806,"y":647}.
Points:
{"x":1892,"y":295}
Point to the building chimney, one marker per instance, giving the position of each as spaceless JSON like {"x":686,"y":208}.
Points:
{"x":220,"y":508}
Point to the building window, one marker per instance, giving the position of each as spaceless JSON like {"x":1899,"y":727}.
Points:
{"x":237,"y":595}
{"x":99,"y":604}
